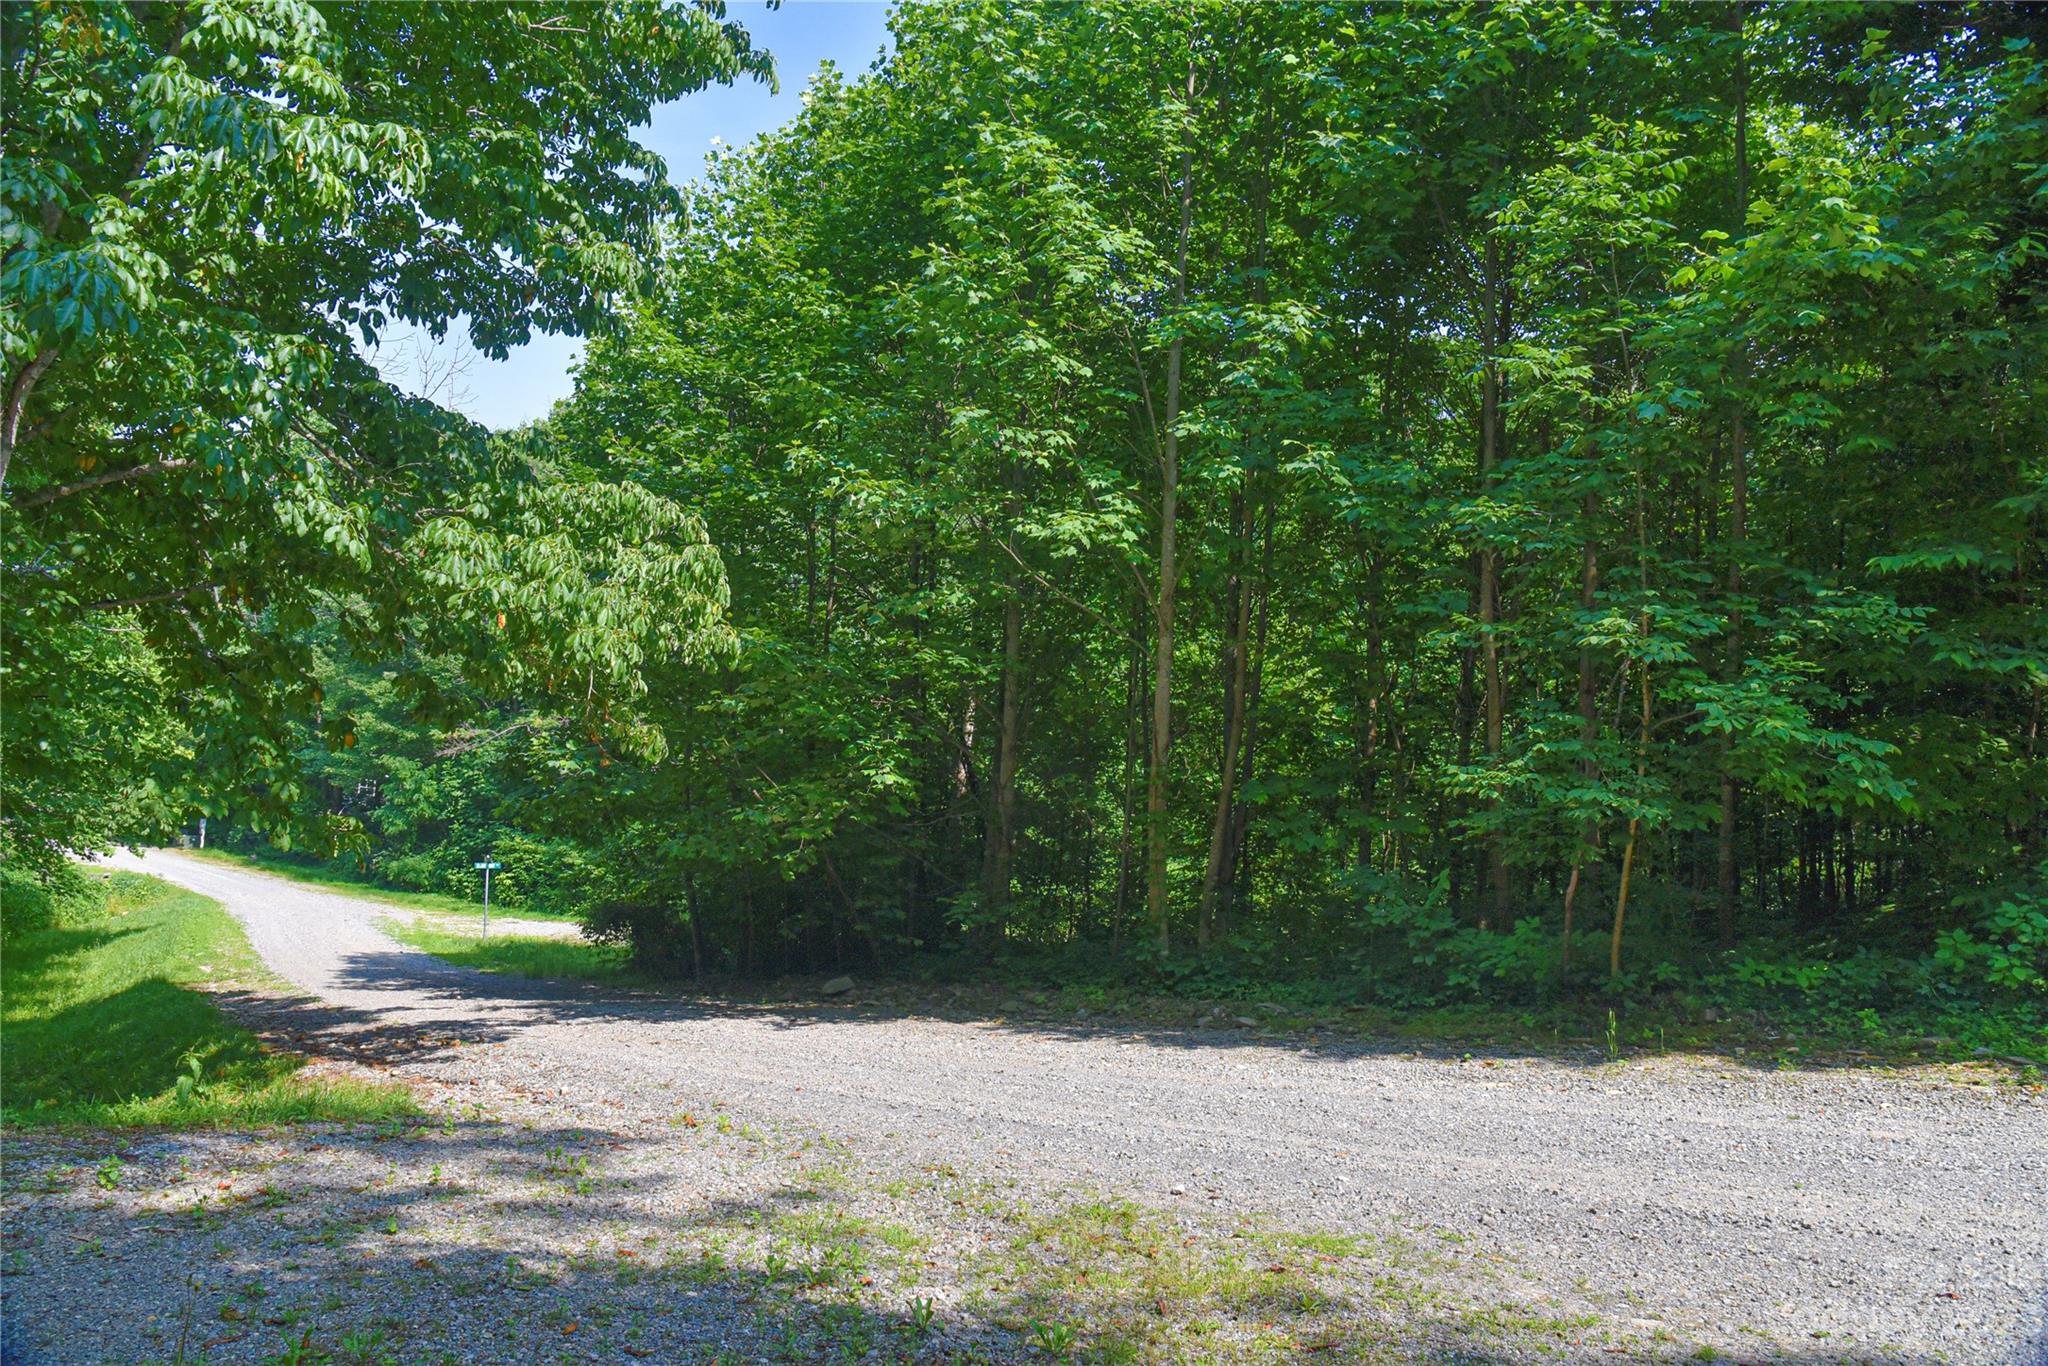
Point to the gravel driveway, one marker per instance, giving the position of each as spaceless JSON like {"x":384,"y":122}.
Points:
{"x":1817,"y":1214}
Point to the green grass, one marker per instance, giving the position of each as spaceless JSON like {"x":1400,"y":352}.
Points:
{"x":522,"y":955}
{"x":364,"y":887}
{"x":106,"y":1025}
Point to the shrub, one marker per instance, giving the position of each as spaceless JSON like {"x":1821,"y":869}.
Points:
{"x":31,"y":902}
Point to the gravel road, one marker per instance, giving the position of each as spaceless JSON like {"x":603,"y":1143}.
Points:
{"x":1787,"y":1212}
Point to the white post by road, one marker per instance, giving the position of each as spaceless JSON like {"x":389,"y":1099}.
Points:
{"x":487,"y":865}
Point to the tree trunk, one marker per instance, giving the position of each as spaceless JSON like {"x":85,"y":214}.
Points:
{"x":1134,"y":690}
{"x":1237,"y":870}
{"x":19,"y":387}
{"x":1169,"y":498}
{"x":1375,"y":693}
{"x":1589,"y":714}
{"x":1234,"y":671}
{"x":1001,"y":843}
{"x":1467,"y":721}
{"x":696,"y":930}
{"x":1727,"y":877}
{"x":1628,"y":857}
{"x":1490,"y":438}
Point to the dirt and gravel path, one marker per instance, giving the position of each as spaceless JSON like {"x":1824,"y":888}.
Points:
{"x":1816,"y":1214}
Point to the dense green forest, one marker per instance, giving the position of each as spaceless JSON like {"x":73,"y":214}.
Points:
{"x":1426,"y":503}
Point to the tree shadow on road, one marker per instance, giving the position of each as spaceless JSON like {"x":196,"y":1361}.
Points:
{"x":485,"y":1242}
{"x":494,"y":1005}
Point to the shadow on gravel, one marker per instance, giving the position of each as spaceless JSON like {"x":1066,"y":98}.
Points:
{"x":482,"y":1243}
{"x":486,"y":1007}
{"x":324,"y":1032}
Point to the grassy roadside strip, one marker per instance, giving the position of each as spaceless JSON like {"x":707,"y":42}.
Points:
{"x":109,"y":1023}
{"x":364,"y":888}
{"x":522,"y":955}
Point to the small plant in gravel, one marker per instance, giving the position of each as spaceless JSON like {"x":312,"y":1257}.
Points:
{"x":922,"y":1313}
{"x":1054,"y":1339}
{"x":108,"y":1173}
{"x":301,"y":1353}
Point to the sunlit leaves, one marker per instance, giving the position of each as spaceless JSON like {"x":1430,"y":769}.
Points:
{"x":205,"y":210}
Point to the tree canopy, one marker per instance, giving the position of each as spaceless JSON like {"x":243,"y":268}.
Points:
{"x":209,"y":211}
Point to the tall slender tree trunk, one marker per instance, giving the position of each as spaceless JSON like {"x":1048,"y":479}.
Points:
{"x":1237,"y":870}
{"x":1375,"y":697}
{"x":1156,"y":832}
{"x":1635,"y":824}
{"x":690,"y":908}
{"x":1228,"y":854}
{"x":999,"y":844}
{"x":1728,"y":878}
{"x":1589,"y":713}
{"x":1134,"y":694}
{"x":1000,"y":847}
{"x":1234,"y":670}
{"x":1467,"y":713}
{"x":1490,"y":440}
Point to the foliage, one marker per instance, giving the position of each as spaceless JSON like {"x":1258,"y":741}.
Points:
{"x":207,"y":211}
{"x":1606,"y":470}
{"x":62,"y":898}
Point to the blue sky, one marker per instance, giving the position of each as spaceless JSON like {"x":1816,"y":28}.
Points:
{"x":802,"y":34}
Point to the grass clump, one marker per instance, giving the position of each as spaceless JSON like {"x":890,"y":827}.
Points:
{"x":108,"y":1023}
{"x":521,"y":955}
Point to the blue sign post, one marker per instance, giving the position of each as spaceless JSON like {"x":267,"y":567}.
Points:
{"x":486,"y":866}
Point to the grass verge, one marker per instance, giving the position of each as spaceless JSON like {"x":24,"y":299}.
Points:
{"x":364,"y":887}
{"x":522,"y":955}
{"x":108,"y":1023}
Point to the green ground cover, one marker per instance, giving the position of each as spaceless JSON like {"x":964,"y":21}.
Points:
{"x":109,"y":1021}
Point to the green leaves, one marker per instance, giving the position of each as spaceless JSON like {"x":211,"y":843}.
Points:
{"x":202,"y":208}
